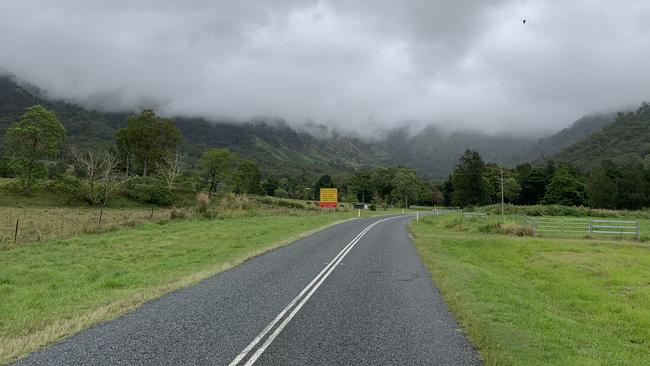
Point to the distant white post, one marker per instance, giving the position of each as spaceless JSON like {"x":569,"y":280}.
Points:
{"x":417,"y":216}
{"x":359,"y":213}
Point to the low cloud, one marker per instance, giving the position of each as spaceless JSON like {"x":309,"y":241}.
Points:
{"x":361,"y":65}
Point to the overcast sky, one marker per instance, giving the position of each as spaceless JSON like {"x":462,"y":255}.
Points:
{"x":349,"y":64}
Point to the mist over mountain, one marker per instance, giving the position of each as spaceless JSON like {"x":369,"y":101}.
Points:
{"x":281,"y":149}
{"x":550,"y":145}
{"x":358,"y":65}
{"x":625,"y":141}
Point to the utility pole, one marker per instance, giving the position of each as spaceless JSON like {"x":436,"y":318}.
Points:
{"x":502,"y":214}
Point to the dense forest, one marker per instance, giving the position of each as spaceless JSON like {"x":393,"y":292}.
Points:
{"x":609,"y":185}
{"x":626,"y":141}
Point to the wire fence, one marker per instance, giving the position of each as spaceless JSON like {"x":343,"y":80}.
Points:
{"x":21,"y":225}
{"x":475,"y":215}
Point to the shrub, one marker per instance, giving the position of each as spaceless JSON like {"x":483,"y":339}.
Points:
{"x":7,"y":168}
{"x":559,"y":210}
{"x":150,"y":191}
{"x":176,"y":214}
{"x":229,"y":203}
{"x":508,"y":229}
{"x":289,"y":204}
{"x":67,"y":187}
{"x":202,"y":202}
{"x":281,"y":193}
{"x":373,"y":207}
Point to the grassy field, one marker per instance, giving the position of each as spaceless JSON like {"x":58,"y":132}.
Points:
{"x":37,"y":224}
{"x":54,"y":289}
{"x":534,"y":301}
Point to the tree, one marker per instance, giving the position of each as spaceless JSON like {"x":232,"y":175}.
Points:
{"x":468,"y":182}
{"x":492,"y":175}
{"x":218,"y":165}
{"x":146,"y":140}
{"x":248,"y":178}
{"x":406,"y":185}
{"x":511,"y":189}
{"x":565,"y":188}
{"x":447,"y":191}
{"x":382,"y":183}
{"x":91,"y":164}
{"x":325,"y":181}
{"x":631,"y":187}
{"x":361,"y":186}
{"x":101,"y":176}
{"x":438,"y":195}
{"x":37,"y":134}
{"x":270,"y":186}
{"x":601,"y":189}
{"x":111,"y":178}
{"x":533,"y":182}
{"x":171,"y":167}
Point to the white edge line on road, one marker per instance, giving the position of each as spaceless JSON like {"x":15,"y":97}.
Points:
{"x":319,"y":279}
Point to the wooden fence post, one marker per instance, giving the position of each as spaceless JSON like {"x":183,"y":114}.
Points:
{"x":101,"y":212}
{"x":16,"y":232}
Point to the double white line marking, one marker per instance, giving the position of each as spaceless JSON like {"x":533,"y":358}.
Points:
{"x":296,"y":304}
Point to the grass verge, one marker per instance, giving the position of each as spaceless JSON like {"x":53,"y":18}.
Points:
{"x":533,"y":301}
{"x":55,"y":289}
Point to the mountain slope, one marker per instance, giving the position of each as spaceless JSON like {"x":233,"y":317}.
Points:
{"x":550,"y":145}
{"x":625,"y":140}
{"x":280,"y":149}
{"x":84,"y":127}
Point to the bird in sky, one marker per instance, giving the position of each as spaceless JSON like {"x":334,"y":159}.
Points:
{"x":524,"y":21}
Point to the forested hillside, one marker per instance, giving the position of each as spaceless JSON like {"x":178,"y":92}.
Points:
{"x":281,"y":149}
{"x":84,"y":127}
{"x":278,"y":148}
{"x":625,"y":141}
{"x":550,"y":145}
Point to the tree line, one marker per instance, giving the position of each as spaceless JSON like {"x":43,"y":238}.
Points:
{"x":146,"y":162}
{"x":609,"y":185}
{"x":386,"y":186}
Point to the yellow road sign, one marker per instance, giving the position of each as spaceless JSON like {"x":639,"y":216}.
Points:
{"x":328,"y":197}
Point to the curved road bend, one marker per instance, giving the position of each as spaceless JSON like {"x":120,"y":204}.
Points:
{"x":353,"y":294}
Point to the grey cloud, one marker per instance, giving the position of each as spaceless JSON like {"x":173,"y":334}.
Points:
{"x":347,"y":64}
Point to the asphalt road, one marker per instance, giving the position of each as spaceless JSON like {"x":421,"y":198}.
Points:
{"x":333,"y":298}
